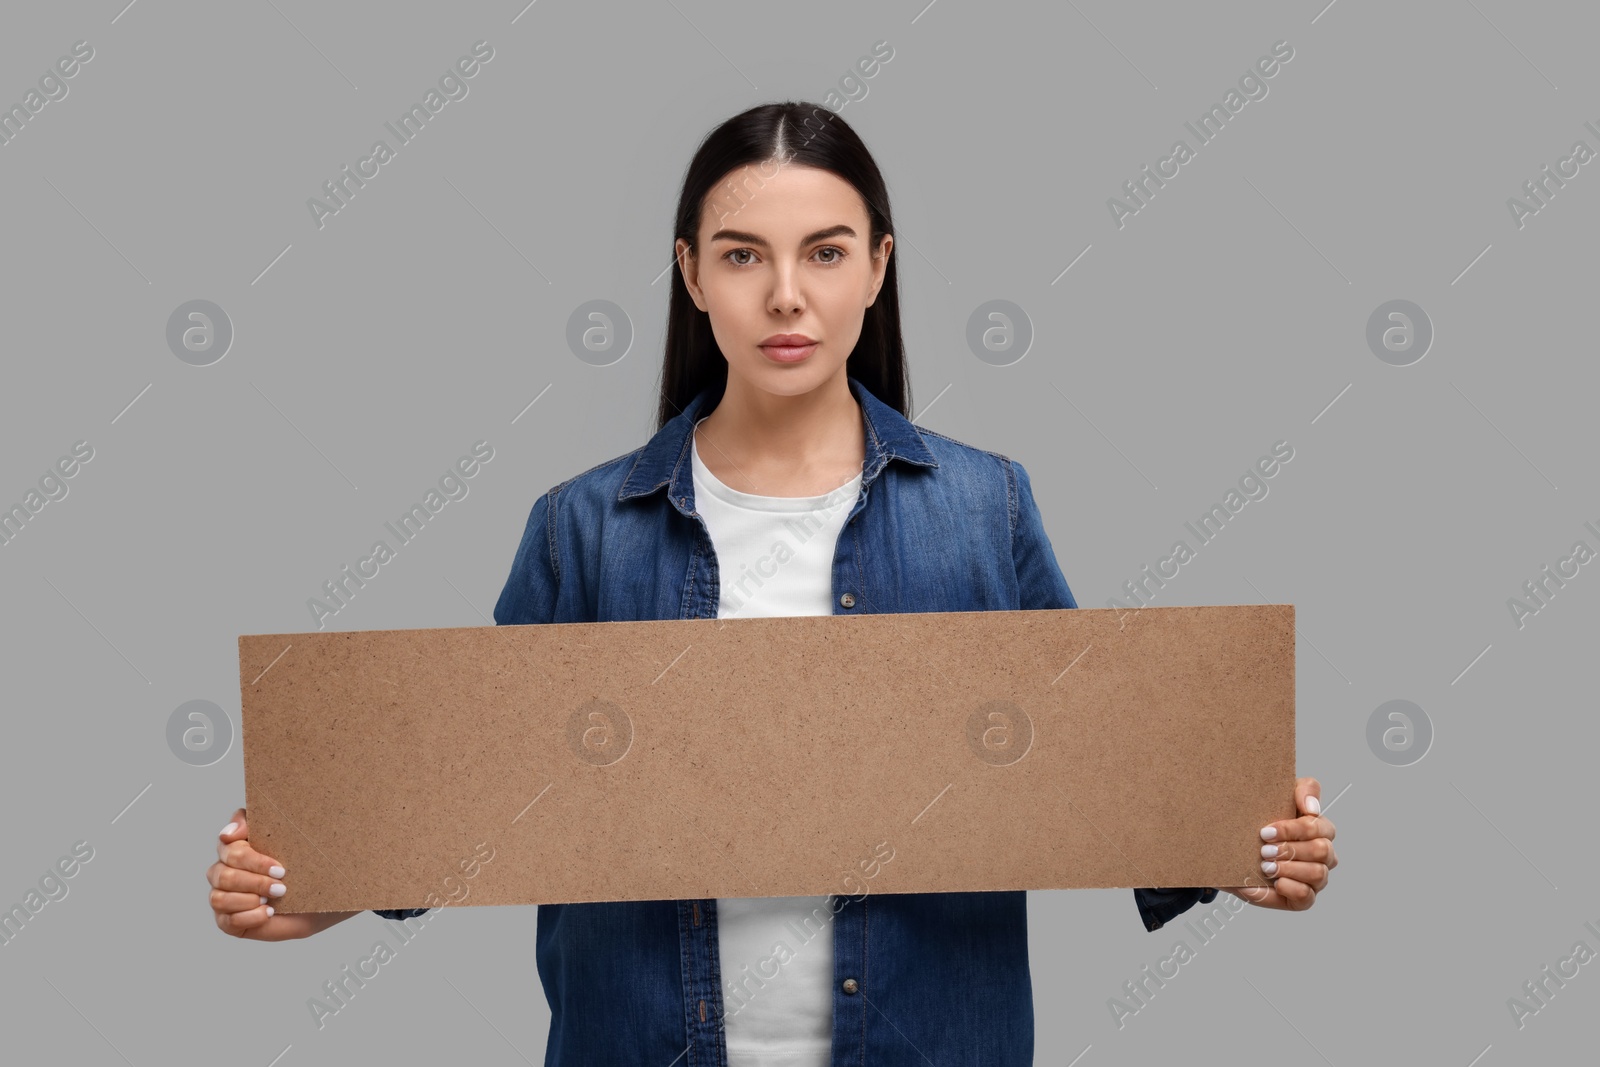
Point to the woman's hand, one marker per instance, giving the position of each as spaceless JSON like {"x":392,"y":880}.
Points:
{"x":1297,"y":856}
{"x":244,"y":883}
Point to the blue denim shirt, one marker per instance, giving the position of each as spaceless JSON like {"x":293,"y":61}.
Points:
{"x":937,"y":977}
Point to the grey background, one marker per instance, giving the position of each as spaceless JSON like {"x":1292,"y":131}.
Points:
{"x":1228,"y":314}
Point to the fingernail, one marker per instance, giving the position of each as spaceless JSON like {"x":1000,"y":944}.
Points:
{"x":228,"y":829}
{"x":276,"y":889}
{"x":1269,"y":867}
{"x":1313,"y":805}
{"x":1268,"y":833}
{"x":270,"y":911}
{"x":264,"y":899}
{"x":275,"y":871}
{"x":1267,"y":852}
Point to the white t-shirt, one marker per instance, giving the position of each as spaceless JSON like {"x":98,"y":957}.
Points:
{"x":775,"y":557}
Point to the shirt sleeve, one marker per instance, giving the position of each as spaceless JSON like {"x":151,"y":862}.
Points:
{"x":1159,"y":906}
{"x":529,"y":596}
{"x":1042,"y":585}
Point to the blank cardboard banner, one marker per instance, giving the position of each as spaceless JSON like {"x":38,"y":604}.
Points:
{"x":684,"y":759}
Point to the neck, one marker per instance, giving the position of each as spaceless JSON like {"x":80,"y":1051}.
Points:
{"x":814,"y":427}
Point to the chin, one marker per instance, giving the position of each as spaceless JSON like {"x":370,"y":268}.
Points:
{"x":792,"y":380}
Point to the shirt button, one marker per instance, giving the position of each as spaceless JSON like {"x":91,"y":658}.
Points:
{"x":850,"y":986}
{"x":848,"y":600}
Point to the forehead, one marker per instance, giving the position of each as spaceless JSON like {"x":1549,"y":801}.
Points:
{"x":782,"y":202}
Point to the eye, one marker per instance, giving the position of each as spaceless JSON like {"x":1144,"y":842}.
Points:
{"x":838,"y":256}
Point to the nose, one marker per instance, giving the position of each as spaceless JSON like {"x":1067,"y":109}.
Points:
{"x":786,"y":297}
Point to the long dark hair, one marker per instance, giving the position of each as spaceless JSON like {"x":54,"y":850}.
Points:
{"x":791,"y":132}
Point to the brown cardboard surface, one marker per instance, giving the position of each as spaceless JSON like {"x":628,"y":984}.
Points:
{"x":941,"y":752}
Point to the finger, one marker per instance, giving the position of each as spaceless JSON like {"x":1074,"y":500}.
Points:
{"x":223,"y":900}
{"x":240,"y":923}
{"x":1297,"y":896}
{"x":1257,"y":890}
{"x":1312,"y":874}
{"x":232,"y":880}
{"x":1308,"y":796}
{"x":1316,"y":850}
{"x":1302,"y":829}
{"x":1260,"y":896}
{"x":242,"y":855}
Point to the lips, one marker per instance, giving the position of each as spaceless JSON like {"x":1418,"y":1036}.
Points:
{"x":788,"y":347}
{"x":789,"y":353}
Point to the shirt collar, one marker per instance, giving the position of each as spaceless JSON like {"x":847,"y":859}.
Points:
{"x":664,"y":460}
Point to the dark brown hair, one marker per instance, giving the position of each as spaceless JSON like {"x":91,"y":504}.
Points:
{"x":792,"y":132}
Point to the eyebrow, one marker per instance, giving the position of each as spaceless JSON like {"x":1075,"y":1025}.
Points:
{"x":840,"y":230}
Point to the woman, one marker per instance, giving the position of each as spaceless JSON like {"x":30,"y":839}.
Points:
{"x":785,"y":479}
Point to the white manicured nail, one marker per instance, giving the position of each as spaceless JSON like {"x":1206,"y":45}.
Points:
{"x":1269,"y":867}
{"x":263,"y":900}
{"x":1267,"y":852}
{"x":228,"y":829}
{"x":276,"y":889}
{"x":270,"y":911}
{"x":1268,"y":833}
{"x":1313,"y":805}
{"x":275,"y":871}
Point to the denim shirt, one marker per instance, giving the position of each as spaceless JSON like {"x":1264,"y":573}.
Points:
{"x":938,"y":525}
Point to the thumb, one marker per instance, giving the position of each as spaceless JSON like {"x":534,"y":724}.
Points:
{"x":236,"y":829}
{"x":1308,"y":796}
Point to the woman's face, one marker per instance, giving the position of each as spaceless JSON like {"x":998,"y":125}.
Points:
{"x":790,"y":255}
